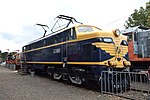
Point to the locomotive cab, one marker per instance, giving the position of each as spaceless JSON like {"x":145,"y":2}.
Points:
{"x":108,"y":48}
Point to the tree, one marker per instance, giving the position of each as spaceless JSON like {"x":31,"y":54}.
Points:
{"x":4,"y":54}
{"x":139,"y":17}
{"x":148,"y":13}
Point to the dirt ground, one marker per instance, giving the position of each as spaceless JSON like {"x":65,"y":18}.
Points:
{"x":24,"y":87}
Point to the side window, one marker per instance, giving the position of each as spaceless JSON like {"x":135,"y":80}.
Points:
{"x":49,"y":41}
{"x":53,"y":39}
{"x":35,"y":45}
{"x":28,"y":47}
{"x":85,"y":29}
{"x":135,"y":36}
{"x":24,"y":49}
{"x":44,"y":42}
{"x":130,"y":37}
{"x":60,"y":38}
{"x":56,"y":39}
{"x":40,"y":43}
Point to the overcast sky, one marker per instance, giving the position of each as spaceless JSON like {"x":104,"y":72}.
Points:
{"x":18,"y":17}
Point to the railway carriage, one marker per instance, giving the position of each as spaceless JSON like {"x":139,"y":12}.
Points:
{"x":79,"y":53}
{"x":13,"y":61}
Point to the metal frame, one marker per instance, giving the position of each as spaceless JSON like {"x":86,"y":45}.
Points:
{"x":116,"y":83}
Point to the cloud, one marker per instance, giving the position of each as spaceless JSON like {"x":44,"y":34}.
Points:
{"x":7,"y":36}
{"x":8,"y":44}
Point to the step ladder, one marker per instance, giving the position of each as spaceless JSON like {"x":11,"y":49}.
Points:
{"x":23,"y":69}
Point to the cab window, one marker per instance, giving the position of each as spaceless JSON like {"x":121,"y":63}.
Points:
{"x":85,"y":29}
{"x":24,"y":49}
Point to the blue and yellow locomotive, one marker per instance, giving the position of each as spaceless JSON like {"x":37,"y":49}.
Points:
{"x":79,"y":53}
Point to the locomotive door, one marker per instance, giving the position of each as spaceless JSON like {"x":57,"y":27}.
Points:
{"x":64,"y":55}
{"x":69,"y":35}
{"x":64,"y":52}
{"x":86,"y":54}
{"x":65,"y":47}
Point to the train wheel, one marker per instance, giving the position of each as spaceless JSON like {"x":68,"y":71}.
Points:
{"x":57,"y":76}
{"x":75,"y":80}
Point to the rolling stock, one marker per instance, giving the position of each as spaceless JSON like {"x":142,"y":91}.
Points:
{"x":13,"y":61}
{"x":78,"y":53}
{"x":139,"y":46}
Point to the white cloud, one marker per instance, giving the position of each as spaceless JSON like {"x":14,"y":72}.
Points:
{"x":8,"y":44}
{"x":18,"y":17}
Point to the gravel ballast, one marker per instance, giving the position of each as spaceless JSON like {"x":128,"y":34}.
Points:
{"x":24,"y":87}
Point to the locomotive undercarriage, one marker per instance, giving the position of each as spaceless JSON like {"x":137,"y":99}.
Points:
{"x":76,"y":74}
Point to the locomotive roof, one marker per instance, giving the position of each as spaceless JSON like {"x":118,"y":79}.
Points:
{"x":54,"y":33}
{"x":48,"y":35}
{"x":134,"y":29}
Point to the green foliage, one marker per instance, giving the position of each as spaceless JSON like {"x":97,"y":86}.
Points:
{"x":139,"y":17}
{"x":148,"y":13}
{"x":3,"y":56}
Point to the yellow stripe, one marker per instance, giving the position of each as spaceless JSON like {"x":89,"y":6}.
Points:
{"x":44,"y":62}
{"x":105,"y":63}
{"x":86,"y":63}
{"x":44,"y":47}
{"x":76,"y":40}
{"x":79,"y":63}
{"x":109,"y":48}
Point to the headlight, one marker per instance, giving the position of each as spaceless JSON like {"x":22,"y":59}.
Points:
{"x":112,"y":63}
{"x":126,"y":63}
{"x":116,"y":32}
